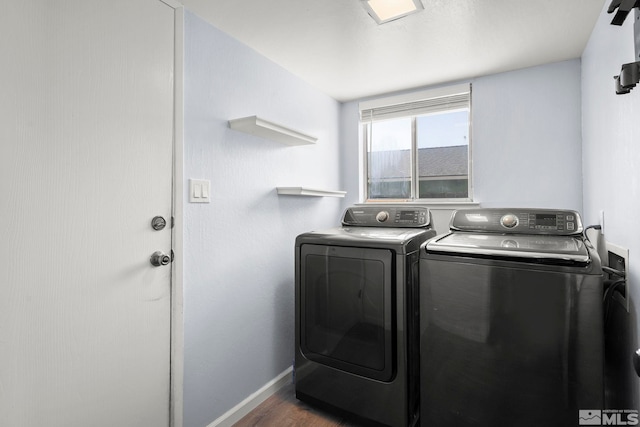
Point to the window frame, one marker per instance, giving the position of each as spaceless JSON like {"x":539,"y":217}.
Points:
{"x":409,"y":98}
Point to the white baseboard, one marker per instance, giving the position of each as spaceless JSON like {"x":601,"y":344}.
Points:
{"x":234,"y":414}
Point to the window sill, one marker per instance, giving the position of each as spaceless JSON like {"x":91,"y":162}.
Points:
{"x":430,"y":204}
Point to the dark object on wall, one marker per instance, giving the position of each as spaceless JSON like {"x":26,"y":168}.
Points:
{"x":630,"y":73}
{"x":628,"y":78}
{"x":624,"y":7}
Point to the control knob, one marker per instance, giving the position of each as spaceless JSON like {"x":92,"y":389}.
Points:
{"x":382,"y":216}
{"x":509,"y":221}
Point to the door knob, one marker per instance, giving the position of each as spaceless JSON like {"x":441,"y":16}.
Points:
{"x":159,"y":258}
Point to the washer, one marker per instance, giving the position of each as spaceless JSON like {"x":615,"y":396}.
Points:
{"x":357,"y":314}
{"x":511,"y":327}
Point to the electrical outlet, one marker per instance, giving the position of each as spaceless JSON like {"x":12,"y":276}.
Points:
{"x":618,"y":259}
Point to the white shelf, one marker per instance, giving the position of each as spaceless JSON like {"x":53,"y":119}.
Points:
{"x":254,"y":125}
{"x":313,"y":192}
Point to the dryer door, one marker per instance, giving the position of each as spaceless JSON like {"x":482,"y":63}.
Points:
{"x":346,"y":310}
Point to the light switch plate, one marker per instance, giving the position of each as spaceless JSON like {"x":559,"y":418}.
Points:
{"x":199,"y":191}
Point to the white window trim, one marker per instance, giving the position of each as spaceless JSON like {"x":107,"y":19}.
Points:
{"x":415,"y":96}
{"x":444,"y":91}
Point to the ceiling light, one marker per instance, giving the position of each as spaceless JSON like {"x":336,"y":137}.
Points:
{"x":388,"y":10}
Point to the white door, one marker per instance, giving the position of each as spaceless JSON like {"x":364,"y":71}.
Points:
{"x":86,"y":134}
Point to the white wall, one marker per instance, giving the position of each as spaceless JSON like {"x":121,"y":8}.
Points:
{"x":526,"y":142}
{"x":239,"y":249}
{"x":611,"y":146}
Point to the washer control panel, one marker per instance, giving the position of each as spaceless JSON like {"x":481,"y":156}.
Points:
{"x":387,"y":216}
{"x":517,"y":220}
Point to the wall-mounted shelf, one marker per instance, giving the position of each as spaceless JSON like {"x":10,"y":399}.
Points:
{"x":312,"y":192}
{"x":254,"y":125}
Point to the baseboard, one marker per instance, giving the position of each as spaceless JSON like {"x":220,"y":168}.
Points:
{"x":234,"y":414}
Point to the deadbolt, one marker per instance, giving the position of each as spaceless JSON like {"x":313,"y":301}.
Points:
{"x":158,"y":223}
{"x":159,"y":258}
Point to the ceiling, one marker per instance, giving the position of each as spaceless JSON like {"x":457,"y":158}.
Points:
{"x":337,"y":48}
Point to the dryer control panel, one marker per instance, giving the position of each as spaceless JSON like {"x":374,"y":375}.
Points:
{"x":387,"y":216}
{"x":518,"y":221}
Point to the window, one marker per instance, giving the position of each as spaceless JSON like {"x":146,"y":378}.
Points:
{"x":417,"y":145}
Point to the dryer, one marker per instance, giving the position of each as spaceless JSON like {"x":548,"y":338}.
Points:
{"x":356,"y":348}
{"x":511,"y":321}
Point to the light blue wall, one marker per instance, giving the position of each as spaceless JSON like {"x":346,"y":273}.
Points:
{"x":611,"y":135}
{"x":611,"y":146}
{"x":350,"y":152}
{"x":526,"y":142}
{"x":526,"y":137}
{"x":239,"y":249}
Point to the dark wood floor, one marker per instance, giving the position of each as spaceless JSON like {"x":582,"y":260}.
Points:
{"x":284,"y":410}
